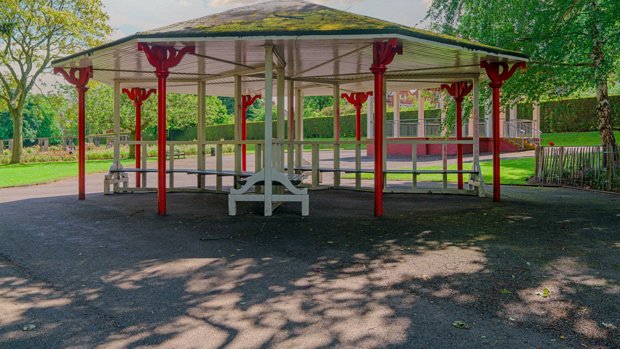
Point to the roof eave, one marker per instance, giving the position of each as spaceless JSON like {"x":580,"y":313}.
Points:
{"x":401,"y":33}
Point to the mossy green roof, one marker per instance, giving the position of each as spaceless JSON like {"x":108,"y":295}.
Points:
{"x":297,"y":18}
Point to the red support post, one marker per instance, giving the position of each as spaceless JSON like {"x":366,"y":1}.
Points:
{"x":162,"y":58}
{"x":383,"y":54}
{"x":79,"y":78}
{"x":458,"y":91}
{"x":357,"y":99}
{"x":498,"y":78}
{"x":138,"y":96}
{"x":246,"y":102}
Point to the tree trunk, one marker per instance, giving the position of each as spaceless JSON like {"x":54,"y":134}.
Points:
{"x":18,"y":141}
{"x":603,"y":110}
{"x":601,"y":75}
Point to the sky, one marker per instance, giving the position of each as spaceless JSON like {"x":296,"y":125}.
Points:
{"x":130,"y":16}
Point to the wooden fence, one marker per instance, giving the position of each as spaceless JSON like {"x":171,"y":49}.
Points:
{"x":584,"y":167}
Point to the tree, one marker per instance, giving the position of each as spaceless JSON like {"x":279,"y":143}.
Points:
{"x":574,"y":45}
{"x":32,"y":34}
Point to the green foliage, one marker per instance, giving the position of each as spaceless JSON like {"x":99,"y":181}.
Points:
{"x":39,"y":120}
{"x":570,"y":115}
{"x":314,"y":127}
{"x":39,"y":32}
{"x":558,"y":36}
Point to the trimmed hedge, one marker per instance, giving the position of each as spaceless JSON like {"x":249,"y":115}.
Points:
{"x":322,"y":127}
{"x":570,"y":115}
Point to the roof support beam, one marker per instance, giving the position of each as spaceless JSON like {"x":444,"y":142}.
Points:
{"x":222,"y":60}
{"x":333,"y":60}
{"x":279,"y":58}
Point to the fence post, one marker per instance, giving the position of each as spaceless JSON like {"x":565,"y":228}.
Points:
{"x":537,"y":164}
{"x":561,"y":165}
{"x":315,"y":166}
{"x":610,"y":167}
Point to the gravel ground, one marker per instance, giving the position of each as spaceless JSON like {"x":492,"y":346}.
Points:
{"x":539,"y":270}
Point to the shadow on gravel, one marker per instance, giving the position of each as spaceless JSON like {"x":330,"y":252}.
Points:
{"x":541,"y":269}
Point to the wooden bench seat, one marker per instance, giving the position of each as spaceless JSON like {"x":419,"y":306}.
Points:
{"x":220,"y":173}
{"x":419,"y":172}
{"x":296,"y":180}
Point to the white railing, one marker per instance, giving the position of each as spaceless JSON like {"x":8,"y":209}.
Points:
{"x":312,"y":158}
{"x":426,"y":128}
{"x":522,"y":129}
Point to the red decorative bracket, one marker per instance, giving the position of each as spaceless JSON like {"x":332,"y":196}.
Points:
{"x":357,"y":99}
{"x":458,"y":91}
{"x":162,"y":58}
{"x":497,"y":80}
{"x":383,"y":54}
{"x":79,"y":78}
{"x":246,"y":102}
{"x":138,"y":95}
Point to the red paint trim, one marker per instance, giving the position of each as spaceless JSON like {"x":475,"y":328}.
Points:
{"x":138,"y":96}
{"x":357,"y":99}
{"x":458,"y":91}
{"x":246,"y":102}
{"x":79,"y":77}
{"x":497,"y":80}
{"x":162,"y":58}
{"x":383,"y":54}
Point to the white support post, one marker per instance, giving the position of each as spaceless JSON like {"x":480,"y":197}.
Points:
{"x":476,"y":135}
{"x":383,"y":137}
{"x":396,"y":123}
{"x":336,"y":97}
{"x":299,"y":127}
{"x":238,"y":103}
{"x":117,"y":124}
{"x":421,"y":127}
{"x":502,"y":122}
{"x":171,"y":165}
{"x":201,"y":132}
{"x":145,"y":154}
{"x":488,"y":116}
{"x":370,"y":130}
{"x":536,"y":118}
{"x":281,"y":124}
{"x":291,"y":126}
{"x":471,"y":125}
{"x":117,"y":133}
{"x":268,"y":130}
{"x":444,"y":130}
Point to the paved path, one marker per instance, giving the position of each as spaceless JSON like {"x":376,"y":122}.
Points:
{"x":108,"y":273}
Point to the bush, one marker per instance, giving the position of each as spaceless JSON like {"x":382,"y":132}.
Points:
{"x":570,"y":115}
{"x":316,"y":127}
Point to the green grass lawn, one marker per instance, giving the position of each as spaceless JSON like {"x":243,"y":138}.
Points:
{"x":33,"y":173}
{"x":573,"y":138}
{"x":513,"y":171}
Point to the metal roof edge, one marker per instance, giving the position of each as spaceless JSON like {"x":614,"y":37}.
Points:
{"x":403,"y":33}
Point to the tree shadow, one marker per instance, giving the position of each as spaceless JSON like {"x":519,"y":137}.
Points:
{"x":109,"y":273}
